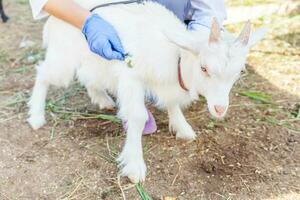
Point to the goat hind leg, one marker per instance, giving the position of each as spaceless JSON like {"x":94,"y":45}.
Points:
{"x":37,"y":104}
{"x":48,"y":73}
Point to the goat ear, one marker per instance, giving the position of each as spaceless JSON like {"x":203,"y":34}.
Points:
{"x":184,"y":40}
{"x":244,"y":36}
{"x":215,"y":32}
{"x":257,"y":36}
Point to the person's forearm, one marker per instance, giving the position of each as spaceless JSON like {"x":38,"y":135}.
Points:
{"x":68,"y":11}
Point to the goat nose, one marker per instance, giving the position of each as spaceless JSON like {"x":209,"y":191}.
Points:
{"x":220,"y":109}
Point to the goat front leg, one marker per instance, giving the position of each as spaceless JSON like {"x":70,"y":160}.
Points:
{"x":132,"y":109}
{"x":178,"y":124}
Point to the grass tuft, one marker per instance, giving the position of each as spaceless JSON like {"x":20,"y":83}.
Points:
{"x":296,"y":113}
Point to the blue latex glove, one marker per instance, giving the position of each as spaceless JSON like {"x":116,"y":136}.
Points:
{"x":103,"y":38}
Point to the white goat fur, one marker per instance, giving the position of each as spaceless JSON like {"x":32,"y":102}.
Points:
{"x":142,"y":30}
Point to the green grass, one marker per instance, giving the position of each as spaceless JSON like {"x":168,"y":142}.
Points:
{"x":33,"y":56}
{"x":22,"y":2}
{"x":281,"y":123}
{"x":212,"y":124}
{"x":21,"y":70}
{"x":143,"y":194}
{"x":59,"y":108}
{"x":257,"y":96}
{"x":67,"y":113}
{"x":107,"y":158}
{"x":296,"y":112}
{"x":3,"y":57}
{"x":19,"y":98}
{"x":287,"y":117}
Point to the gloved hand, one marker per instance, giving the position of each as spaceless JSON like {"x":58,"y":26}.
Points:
{"x":103,"y":38}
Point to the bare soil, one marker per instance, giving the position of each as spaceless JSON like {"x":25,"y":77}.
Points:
{"x":253,"y":154}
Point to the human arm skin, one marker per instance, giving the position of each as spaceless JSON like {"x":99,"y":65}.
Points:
{"x":68,"y":11}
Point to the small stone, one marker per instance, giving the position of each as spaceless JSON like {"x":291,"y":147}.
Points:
{"x":31,"y":59}
{"x":26,"y":44}
{"x":169,"y":198}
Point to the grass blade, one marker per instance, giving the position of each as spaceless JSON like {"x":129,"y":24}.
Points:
{"x":143,"y":194}
{"x":257,"y":96}
{"x":274,"y":121}
{"x":65,"y":113}
{"x":111,"y":118}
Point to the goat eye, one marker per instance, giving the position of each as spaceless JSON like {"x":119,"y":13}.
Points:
{"x":204,"y":69}
{"x":243,"y":71}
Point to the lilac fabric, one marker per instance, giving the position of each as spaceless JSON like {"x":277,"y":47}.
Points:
{"x":200,"y":12}
{"x":150,"y":126}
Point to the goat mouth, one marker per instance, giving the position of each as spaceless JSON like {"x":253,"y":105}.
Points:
{"x":217,"y":116}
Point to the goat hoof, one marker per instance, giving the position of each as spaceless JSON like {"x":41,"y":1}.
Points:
{"x":135,"y":170}
{"x":188,"y":135}
{"x":184,"y":132}
{"x":109,"y":105}
{"x":185,"y":137}
{"x":134,"y":179}
{"x":36,"y":122}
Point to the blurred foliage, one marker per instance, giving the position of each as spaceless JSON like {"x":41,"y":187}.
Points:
{"x":250,"y":2}
{"x":23,"y":2}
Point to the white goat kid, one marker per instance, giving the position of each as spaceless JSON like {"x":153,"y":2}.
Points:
{"x":156,"y":39}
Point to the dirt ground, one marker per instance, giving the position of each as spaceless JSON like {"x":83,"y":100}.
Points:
{"x":253,"y":154}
